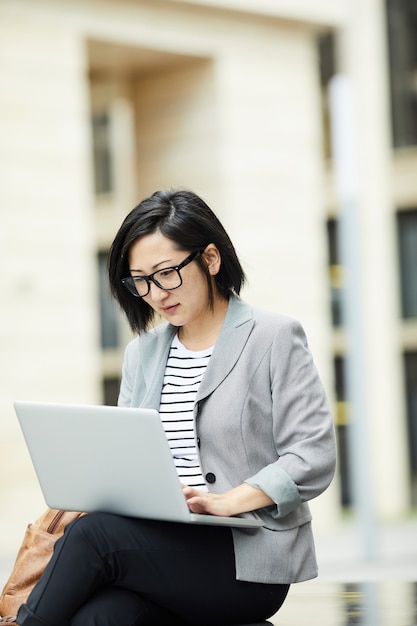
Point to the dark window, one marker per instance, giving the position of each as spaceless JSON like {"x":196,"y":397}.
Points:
{"x":407,"y":244}
{"x":342,"y":425}
{"x":402,"y":48}
{"x":327,"y":68}
{"x":335,"y":273}
{"x":109,"y":313}
{"x":327,"y":59}
{"x":410,"y":366}
{"x":102,"y":153}
{"x":111,"y":387}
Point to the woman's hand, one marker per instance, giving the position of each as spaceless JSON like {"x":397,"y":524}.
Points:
{"x":238,"y":500}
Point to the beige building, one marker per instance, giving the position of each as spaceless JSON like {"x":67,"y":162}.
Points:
{"x":102,"y":102}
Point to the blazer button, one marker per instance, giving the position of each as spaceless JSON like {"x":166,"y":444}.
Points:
{"x":198,"y":441}
{"x":210,"y":477}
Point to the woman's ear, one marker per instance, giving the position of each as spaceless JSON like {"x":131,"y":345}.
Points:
{"x":212,"y":257}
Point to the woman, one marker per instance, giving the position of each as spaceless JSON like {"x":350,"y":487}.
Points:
{"x":249,"y":428}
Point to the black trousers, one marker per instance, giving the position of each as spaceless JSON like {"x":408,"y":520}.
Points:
{"x":109,"y":570}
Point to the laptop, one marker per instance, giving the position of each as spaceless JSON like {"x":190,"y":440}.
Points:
{"x":111,"y":459}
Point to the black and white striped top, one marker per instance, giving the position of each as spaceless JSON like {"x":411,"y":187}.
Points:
{"x":183,"y":374}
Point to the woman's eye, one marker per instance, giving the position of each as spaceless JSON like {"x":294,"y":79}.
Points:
{"x":166,"y":273}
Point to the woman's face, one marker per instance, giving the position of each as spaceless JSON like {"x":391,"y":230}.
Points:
{"x":189,"y":303}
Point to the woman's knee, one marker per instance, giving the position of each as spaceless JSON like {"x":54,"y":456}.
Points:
{"x":113,"y":606}
{"x":90,"y":524}
{"x":89,"y":530}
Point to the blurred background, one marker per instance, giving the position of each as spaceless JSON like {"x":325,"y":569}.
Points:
{"x":104,"y":101}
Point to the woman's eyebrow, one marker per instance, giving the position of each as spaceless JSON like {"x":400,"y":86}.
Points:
{"x":153,"y":266}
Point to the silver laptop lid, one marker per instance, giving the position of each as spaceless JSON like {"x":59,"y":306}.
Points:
{"x":102,"y":458}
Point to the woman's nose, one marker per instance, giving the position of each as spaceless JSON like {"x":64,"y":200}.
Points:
{"x":156,"y":293}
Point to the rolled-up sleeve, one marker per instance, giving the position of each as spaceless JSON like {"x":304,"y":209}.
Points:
{"x":279,"y":486}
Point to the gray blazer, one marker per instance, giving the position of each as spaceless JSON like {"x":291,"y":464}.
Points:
{"x":261,"y":417}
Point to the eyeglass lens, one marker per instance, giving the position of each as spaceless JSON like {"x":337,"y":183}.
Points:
{"x":165,"y":279}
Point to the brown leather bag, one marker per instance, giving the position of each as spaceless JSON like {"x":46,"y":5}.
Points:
{"x":32,"y":558}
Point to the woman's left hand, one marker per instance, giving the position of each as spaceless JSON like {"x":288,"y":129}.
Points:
{"x":238,"y":500}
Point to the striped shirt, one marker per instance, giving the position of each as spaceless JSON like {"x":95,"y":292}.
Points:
{"x":183,"y":374}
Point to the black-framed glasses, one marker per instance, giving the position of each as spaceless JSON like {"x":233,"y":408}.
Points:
{"x":167,"y":279}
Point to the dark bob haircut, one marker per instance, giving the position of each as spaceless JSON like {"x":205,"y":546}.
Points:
{"x":191,"y":225}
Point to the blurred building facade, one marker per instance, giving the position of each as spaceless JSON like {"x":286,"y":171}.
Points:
{"x":103,"y":102}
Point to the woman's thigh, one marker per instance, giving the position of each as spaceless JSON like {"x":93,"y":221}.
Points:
{"x":184,"y":569}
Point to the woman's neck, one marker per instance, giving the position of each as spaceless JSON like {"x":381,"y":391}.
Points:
{"x":205,"y":335}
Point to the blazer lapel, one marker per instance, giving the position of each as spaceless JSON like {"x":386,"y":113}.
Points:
{"x":151,"y":370}
{"x":235,"y":332}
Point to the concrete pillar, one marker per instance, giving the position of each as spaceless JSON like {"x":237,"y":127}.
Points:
{"x":363,"y":57}
{"x":48,"y":323}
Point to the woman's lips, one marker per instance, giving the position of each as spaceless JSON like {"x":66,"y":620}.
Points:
{"x":169,"y":310}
